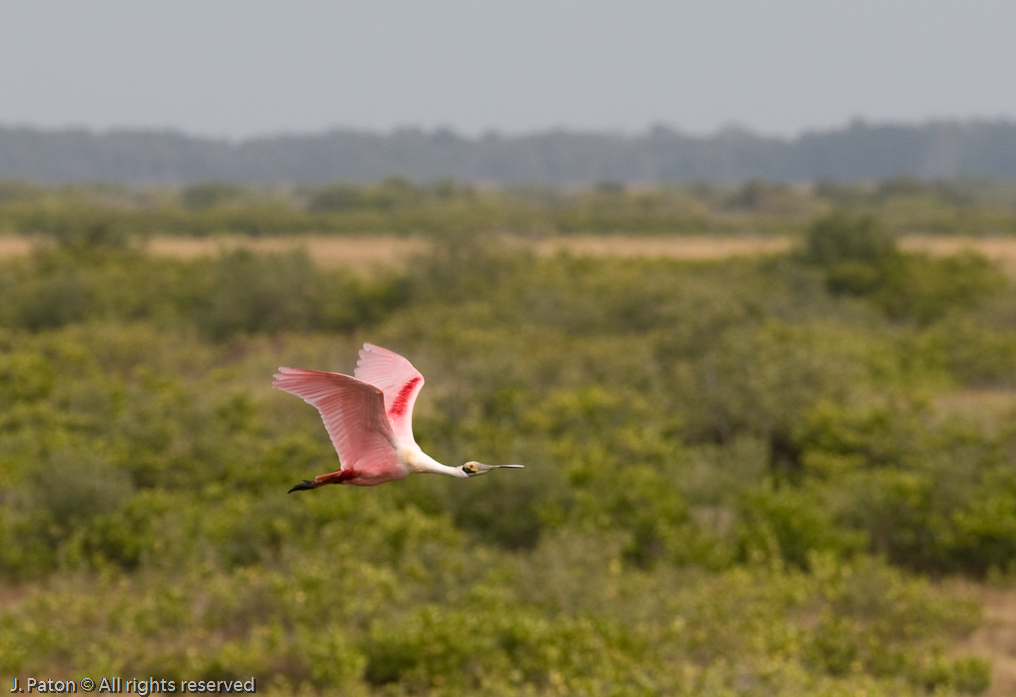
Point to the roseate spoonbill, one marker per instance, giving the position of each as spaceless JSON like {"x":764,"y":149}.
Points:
{"x":369,"y":418}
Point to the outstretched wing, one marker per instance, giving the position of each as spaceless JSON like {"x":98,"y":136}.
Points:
{"x":354,"y":416}
{"x":398,"y":380}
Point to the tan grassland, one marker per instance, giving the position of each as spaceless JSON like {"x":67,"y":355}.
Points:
{"x":14,"y":246}
{"x":998,"y":249}
{"x":327,"y":251}
{"x":683,"y":247}
{"x":358,"y":251}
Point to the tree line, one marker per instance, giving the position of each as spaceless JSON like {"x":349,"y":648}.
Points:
{"x":860,"y":150}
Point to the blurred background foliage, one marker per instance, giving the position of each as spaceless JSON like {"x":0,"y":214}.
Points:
{"x":742,"y":476}
{"x":83,"y":211}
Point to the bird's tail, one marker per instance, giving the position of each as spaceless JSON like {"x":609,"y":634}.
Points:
{"x":305,"y":485}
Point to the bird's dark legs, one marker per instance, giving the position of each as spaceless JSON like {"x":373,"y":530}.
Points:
{"x":305,"y":484}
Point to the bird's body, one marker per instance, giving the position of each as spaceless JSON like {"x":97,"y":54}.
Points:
{"x":369,"y":418}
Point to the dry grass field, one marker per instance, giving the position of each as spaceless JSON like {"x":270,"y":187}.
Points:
{"x":360,"y":251}
{"x":14,"y":246}
{"x":998,"y":249}
{"x":327,"y":251}
{"x":684,"y":247}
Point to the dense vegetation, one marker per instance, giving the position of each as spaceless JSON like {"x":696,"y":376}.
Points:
{"x":740,"y":475}
{"x":395,"y":205}
{"x":858,"y":151}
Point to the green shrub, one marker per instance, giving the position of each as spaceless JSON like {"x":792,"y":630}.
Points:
{"x":923,"y":289}
{"x":844,"y":238}
{"x":790,"y":525}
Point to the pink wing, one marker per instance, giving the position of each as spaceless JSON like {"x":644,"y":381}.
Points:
{"x":398,"y":380}
{"x":354,"y":415}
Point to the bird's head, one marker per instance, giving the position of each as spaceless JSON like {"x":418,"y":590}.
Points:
{"x":475,"y":469}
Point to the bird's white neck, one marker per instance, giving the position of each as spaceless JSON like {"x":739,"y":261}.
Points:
{"x":421,"y":462}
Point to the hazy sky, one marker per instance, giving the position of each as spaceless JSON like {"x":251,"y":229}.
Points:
{"x":244,"y":67}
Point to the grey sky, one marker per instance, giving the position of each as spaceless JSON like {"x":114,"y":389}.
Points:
{"x":244,"y":67}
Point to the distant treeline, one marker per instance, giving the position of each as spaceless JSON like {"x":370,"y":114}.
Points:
{"x":935,"y":150}
{"x":88,"y":212}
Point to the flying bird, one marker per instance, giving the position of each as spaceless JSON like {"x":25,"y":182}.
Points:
{"x":369,"y":418}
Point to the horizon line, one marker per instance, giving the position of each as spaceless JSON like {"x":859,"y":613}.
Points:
{"x":732,"y":128}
